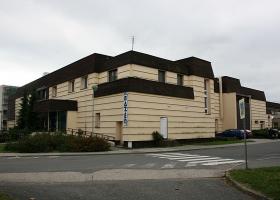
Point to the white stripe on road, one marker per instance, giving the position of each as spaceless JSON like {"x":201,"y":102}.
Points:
{"x":225,"y":162}
{"x":210,"y":161}
{"x":168,"y":166}
{"x":181,"y":158}
{"x":149,"y":165}
{"x":10,"y":158}
{"x":129,"y":165}
{"x":190,"y":165}
{"x":197,"y":159}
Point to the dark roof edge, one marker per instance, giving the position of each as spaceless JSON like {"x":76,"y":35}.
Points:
{"x":133,"y":84}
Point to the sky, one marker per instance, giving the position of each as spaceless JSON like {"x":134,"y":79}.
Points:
{"x":240,"y":38}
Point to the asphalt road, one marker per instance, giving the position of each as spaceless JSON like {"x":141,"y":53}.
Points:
{"x":176,"y":175}
{"x":267,"y":154}
{"x":199,"y":189}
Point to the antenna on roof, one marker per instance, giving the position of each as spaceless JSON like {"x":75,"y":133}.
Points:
{"x":132,"y":42}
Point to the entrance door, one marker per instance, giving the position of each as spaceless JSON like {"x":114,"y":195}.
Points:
{"x":164,"y":127}
{"x":119,"y":128}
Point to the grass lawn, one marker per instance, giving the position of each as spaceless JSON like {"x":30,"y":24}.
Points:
{"x":264,"y":180}
{"x":4,"y":197}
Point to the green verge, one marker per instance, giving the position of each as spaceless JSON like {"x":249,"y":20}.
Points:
{"x":4,"y":197}
{"x":264,"y":180}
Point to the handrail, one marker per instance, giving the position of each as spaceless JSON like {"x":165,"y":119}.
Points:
{"x":89,"y":133}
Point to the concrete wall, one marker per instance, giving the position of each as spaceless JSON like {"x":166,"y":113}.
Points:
{"x":186,"y":118}
{"x":229,"y":109}
{"x":258,"y":113}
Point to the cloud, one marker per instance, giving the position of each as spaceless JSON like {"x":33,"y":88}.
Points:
{"x":240,"y":38}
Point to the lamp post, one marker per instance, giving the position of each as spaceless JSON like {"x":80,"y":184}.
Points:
{"x":94,"y":89}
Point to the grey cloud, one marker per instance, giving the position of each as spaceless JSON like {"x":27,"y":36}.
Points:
{"x":240,"y":38}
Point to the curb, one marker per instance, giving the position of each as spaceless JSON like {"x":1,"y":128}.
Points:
{"x":245,"y":189}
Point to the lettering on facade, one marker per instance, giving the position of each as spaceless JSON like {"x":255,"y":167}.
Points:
{"x":125,"y":109}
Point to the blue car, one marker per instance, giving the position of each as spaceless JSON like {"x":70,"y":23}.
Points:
{"x":235,"y":133}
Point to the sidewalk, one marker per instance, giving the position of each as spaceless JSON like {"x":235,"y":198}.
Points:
{"x":116,"y":150}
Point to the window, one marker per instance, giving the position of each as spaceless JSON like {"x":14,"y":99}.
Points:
{"x":112,"y":75}
{"x":42,"y":94}
{"x":71,"y":86}
{"x":97,"y":120}
{"x":54,"y":91}
{"x":262,"y":123}
{"x":207,"y":108}
{"x":180,"y":79}
{"x":161,"y":76}
{"x":84,"y":82}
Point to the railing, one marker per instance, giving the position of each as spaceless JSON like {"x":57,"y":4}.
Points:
{"x":89,"y":133}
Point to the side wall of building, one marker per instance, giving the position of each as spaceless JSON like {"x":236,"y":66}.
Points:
{"x":258,"y":114}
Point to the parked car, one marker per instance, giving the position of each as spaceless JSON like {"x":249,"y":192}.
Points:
{"x":235,"y":133}
{"x":273,"y":133}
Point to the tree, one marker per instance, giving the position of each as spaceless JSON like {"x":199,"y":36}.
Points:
{"x":32,"y":117}
{"x":22,"y":117}
{"x":27,"y":118}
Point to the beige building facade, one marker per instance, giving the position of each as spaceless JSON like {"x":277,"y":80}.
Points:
{"x":135,"y":94}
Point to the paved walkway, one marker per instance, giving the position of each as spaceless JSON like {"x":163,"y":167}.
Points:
{"x":117,"y":150}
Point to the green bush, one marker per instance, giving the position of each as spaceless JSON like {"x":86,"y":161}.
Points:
{"x":157,"y":138}
{"x":13,"y":135}
{"x":46,"y":142}
{"x":261,"y":133}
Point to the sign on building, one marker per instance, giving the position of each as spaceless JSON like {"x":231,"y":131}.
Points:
{"x":242,"y":108}
{"x":125,"y":109}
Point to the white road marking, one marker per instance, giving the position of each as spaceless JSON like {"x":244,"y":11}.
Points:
{"x":191,"y":165}
{"x":194,"y":160}
{"x":149,"y":165}
{"x":209,"y":161}
{"x":16,"y":157}
{"x":129,"y":165}
{"x":197,"y":159}
{"x":225,"y":162}
{"x":53,"y":156}
{"x":168,"y":166}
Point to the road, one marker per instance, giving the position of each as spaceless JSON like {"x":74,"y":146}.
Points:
{"x":195,"y":174}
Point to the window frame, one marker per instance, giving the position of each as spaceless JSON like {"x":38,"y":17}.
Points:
{"x":54,"y":91}
{"x":112,"y":75}
{"x":97,"y":120}
{"x":161,"y":72}
{"x":71,"y":86}
{"x":180,"y":81}
{"x":84,"y":82}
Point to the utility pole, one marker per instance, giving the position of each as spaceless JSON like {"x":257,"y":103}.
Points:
{"x":243,"y":118}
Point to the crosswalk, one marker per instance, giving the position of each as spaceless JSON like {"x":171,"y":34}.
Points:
{"x":194,"y":159}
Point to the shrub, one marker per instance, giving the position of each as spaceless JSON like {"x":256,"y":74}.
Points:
{"x":261,"y":133}
{"x":46,"y":142}
{"x":13,"y":134}
{"x":157,"y":138}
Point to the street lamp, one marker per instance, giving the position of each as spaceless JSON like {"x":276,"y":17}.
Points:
{"x":94,"y":89}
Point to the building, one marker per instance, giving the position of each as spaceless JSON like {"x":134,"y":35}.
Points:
{"x":273,"y":109}
{"x":5,"y":92}
{"x":135,"y":94}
